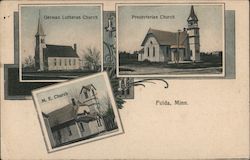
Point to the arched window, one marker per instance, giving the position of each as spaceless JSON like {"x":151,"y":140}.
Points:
{"x":148,"y":51}
{"x":86,"y":95}
{"x":55,"y":61}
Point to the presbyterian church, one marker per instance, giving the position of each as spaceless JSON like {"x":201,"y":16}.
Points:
{"x":50,"y":57}
{"x":165,"y":46}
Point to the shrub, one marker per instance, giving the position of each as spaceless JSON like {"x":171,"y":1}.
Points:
{"x":147,"y":61}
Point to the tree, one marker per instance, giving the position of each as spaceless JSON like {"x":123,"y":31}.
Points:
{"x":92,"y":58}
{"x":109,"y":115}
{"x":29,"y":62}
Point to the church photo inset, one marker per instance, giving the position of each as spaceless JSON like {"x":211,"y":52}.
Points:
{"x":77,"y":111}
{"x":59,"y":42}
{"x":170,"y":40}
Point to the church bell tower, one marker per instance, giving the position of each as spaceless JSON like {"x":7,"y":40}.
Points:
{"x":40,"y":45}
{"x":194,"y":36}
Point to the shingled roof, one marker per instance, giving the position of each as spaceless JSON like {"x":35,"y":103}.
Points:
{"x":61,"y":115}
{"x":166,"y":37}
{"x":59,"y":51}
{"x":69,"y":113}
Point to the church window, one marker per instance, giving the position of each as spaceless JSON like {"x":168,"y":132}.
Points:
{"x":69,"y":130}
{"x":74,"y":62}
{"x":65,"y":61}
{"x":153,"y":51}
{"x":128,"y":91}
{"x":93,"y":92}
{"x":99,"y":123}
{"x":81,"y":127}
{"x":60,"y":62}
{"x":86,"y":95}
{"x":97,"y":120}
{"x":148,"y":51}
{"x":70,"y":62}
{"x":55,"y":61}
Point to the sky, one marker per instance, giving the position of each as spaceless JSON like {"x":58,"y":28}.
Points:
{"x":83,"y":32}
{"x":132,"y":31}
{"x":98,"y":81}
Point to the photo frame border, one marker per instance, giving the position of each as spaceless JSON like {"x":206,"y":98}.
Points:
{"x":57,"y":85}
{"x":222,"y":75}
{"x":59,"y":4}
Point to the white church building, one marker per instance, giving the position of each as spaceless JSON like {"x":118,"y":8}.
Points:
{"x":54,"y":57}
{"x":165,"y":46}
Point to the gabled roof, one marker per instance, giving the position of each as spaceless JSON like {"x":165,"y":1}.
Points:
{"x":61,"y":115}
{"x":59,"y":51}
{"x":88,"y":87}
{"x":68,"y":113}
{"x":192,"y":16}
{"x":166,"y":37}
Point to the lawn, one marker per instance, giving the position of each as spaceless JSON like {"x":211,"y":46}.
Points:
{"x":55,"y":75}
{"x":141,"y":68}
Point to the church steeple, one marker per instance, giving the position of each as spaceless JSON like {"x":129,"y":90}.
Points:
{"x":40,"y":31}
{"x":40,"y":45}
{"x":194,"y":35}
{"x":192,"y":16}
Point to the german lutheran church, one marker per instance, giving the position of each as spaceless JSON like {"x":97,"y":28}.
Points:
{"x":54,"y":57}
{"x":165,"y":46}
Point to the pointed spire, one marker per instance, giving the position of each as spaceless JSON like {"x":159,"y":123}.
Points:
{"x":150,"y":30}
{"x":39,"y":27}
{"x":192,"y":16}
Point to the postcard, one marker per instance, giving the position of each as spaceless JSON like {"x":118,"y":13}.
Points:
{"x":174,"y":40}
{"x":77,"y":111}
{"x":59,"y":42}
{"x":194,"y":105}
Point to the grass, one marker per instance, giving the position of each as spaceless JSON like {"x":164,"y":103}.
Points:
{"x":54,"y":75}
{"x":172,"y":65}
